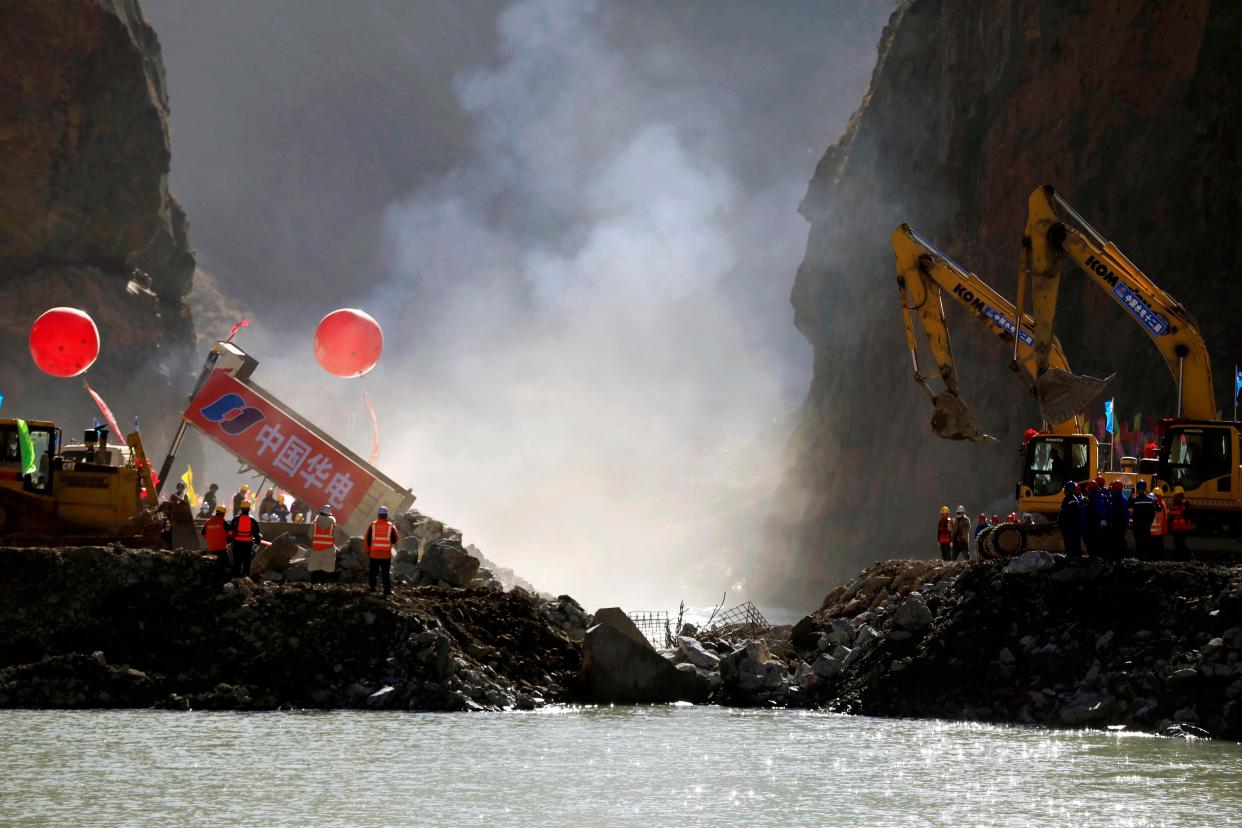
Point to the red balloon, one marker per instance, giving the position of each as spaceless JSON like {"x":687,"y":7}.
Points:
{"x":64,"y":342}
{"x":348,"y":342}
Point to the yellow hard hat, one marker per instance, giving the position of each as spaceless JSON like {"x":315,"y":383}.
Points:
{"x":1178,"y":490}
{"x":944,"y":510}
{"x":220,"y":510}
{"x":245,"y":488}
{"x":245,"y":504}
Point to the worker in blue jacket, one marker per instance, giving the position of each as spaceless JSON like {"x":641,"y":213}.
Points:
{"x":1070,"y":520}
{"x":1119,"y":520}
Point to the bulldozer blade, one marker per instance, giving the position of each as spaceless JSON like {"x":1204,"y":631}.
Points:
{"x":953,"y":420}
{"x":1063,"y":395}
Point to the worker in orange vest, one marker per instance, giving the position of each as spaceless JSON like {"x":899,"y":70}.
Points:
{"x":380,"y":540}
{"x":1159,"y":526}
{"x":244,"y":536}
{"x":321,"y":562}
{"x":944,"y":534}
{"x":216,"y":531}
{"x":1180,"y":526}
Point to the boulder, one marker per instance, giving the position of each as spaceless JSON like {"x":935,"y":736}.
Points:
{"x":1028,"y":563}
{"x":276,"y":556}
{"x":912,"y":613}
{"x":694,"y":653}
{"x":751,"y":668}
{"x":616,"y":618}
{"x":826,"y":667}
{"x":444,"y":559}
{"x":1087,"y":707}
{"x":617,"y":668}
{"x":805,"y":633}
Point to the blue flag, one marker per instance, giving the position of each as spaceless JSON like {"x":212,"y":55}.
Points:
{"x":95,"y":423}
{"x":1108,"y":416}
{"x":135,"y":423}
{"x":1,"y":399}
{"x":1237,"y":382}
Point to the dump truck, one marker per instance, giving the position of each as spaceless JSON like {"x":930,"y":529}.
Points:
{"x":269,"y":437}
{"x":91,"y":492}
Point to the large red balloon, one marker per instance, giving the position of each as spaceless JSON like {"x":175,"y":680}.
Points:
{"x":348,"y":342}
{"x":64,"y":342}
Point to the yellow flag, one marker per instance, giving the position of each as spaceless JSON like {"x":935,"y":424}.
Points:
{"x":188,"y":480}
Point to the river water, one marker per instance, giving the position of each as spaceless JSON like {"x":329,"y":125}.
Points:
{"x":652,"y":766}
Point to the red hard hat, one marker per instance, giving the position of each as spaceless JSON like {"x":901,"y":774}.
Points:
{"x":983,"y":518}
{"x":1028,"y":434}
{"x":1092,"y":485}
{"x":1116,"y":486}
{"x":1099,"y":481}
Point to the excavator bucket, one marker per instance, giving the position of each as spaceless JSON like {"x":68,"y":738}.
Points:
{"x":1063,"y":395}
{"x":953,"y":420}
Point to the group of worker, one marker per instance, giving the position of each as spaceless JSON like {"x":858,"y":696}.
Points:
{"x":233,"y":542}
{"x":955,"y":535}
{"x":1097,"y":514}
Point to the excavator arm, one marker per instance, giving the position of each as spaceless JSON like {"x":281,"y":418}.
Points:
{"x":1051,"y":239}
{"x":924,"y":277}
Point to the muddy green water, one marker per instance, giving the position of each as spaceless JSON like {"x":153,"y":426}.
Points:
{"x":646,"y":767}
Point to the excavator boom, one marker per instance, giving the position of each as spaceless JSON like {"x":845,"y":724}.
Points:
{"x":1170,"y":326}
{"x":924,"y":276}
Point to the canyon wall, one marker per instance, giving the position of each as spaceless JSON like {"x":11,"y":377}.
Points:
{"x":86,"y":218}
{"x":1131,"y":111}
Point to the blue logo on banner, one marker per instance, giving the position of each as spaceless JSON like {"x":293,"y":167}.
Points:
{"x":1154,"y":322}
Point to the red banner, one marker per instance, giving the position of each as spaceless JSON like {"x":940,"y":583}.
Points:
{"x":293,"y":457}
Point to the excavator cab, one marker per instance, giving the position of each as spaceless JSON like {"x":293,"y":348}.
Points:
{"x":1202,"y":458}
{"x":1049,"y":461}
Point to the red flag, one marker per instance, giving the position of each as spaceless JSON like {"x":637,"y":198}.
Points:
{"x":107,"y":412}
{"x":374,"y":429}
{"x":233,"y":330}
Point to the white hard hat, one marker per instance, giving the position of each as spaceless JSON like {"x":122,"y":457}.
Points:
{"x":961,"y":510}
{"x":326,"y":510}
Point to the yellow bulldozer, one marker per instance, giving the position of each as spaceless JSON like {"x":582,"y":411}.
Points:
{"x":77,"y":493}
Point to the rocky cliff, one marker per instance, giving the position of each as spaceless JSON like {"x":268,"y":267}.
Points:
{"x":86,"y":218}
{"x":1130,"y":110}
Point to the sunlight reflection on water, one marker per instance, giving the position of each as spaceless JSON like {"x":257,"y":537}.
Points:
{"x":597,"y":766}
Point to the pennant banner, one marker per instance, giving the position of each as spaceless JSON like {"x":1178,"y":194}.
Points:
{"x":26,"y":447}
{"x":188,"y":480}
{"x":237,"y":327}
{"x":374,"y":429}
{"x":1108,"y":416}
{"x":107,"y":412}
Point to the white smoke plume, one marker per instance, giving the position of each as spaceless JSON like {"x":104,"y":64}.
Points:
{"x":582,"y":313}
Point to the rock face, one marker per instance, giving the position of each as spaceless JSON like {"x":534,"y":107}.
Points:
{"x":1130,"y":111}
{"x":86,"y":218}
{"x":98,"y":627}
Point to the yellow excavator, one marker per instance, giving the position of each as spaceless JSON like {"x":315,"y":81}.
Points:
{"x":1198,"y":451}
{"x":1062,"y":450}
{"x":91,"y":492}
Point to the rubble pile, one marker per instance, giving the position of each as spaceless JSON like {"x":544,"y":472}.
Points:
{"x":1036,"y":640}
{"x":108,"y":627}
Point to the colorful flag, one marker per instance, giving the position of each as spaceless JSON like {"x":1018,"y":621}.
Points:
{"x":135,"y":424}
{"x":1,"y":399}
{"x":188,"y":480}
{"x":1108,"y":416}
{"x":1138,"y":422}
{"x":237,"y":327}
{"x":26,"y":447}
{"x":103,"y":408}
{"x":1237,"y":381}
{"x":374,"y":429}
